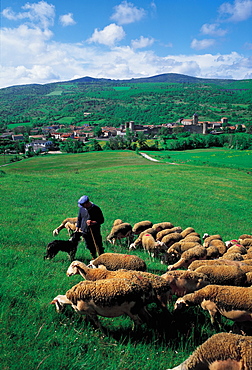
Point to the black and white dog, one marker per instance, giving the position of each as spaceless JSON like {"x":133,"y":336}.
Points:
{"x":69,"y":246}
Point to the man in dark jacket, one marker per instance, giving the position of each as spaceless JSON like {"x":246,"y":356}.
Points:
{"x":90,"y":219}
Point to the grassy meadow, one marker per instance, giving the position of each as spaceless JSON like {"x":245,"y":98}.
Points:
{"x":39,"y":192}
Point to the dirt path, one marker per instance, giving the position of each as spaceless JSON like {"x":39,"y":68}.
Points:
{"x":154,"y":160}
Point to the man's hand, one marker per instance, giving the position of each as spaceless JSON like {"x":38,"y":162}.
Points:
{"x":90,"y":222}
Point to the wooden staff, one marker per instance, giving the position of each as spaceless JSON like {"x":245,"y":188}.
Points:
{"x":96,"y":246}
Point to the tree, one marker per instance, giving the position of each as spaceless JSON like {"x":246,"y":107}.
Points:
{"x":97,"y":131}
{"x":141,"y":139}
{"x":94,"y":145}
{"x":72,"y":146}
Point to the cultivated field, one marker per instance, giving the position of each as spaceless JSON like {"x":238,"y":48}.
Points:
{"x":38,"y":193}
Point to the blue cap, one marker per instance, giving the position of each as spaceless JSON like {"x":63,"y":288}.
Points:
{"x":82,"y":200}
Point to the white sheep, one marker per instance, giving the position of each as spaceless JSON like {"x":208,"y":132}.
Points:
{"x":138,"y":241}
{"x":187,"y":231}
{"x":153,"y":247}
{"x":232,"y":302}
{"x":141,"y":226}
{"x":162,"y":225}
{"x":107,"y":298}
{"x":232,"y":256}
{"x":195,"y":264}
{"x":120,"y":231}
{"x":218,"y":244}
{"x":196,"y":253}
{"x":175,"y":251}
{"x":222,"y":351}
{"x":183,"y":282}
{"x":247,"y":242}
{"x":160,"y":286}
{"x":68,"y":223}
{"x":223,"y":274}
{"x":162,"y":233}
{"x":116,"y":261}
{"x":172,"y":238}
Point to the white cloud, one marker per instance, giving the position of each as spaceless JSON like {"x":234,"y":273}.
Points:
{"x":142,"y":42}
{"x":212,"y":30}
{"x":67,"y":20}
{"x":202,"y":44}
{"x":30,"y":55}
{"x":39,"y":14}
{"x":108,"y":36}
{"x":238,"y":11}
{"x":23,"y":44}
{"x":126,"y":13}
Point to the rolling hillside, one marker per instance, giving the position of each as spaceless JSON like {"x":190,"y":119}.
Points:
{"x":155,"y":100}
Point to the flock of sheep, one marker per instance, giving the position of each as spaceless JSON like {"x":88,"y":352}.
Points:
{"x":205,"y":272}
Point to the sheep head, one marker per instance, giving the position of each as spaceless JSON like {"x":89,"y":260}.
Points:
{"x":132,"y":246}
{"x":73,"y":269}
{"x":55,"y":232}
{"x":60,"y":302}
{"x":180,"y":303}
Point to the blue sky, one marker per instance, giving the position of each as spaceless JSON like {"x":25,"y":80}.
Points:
{"x":59,"y":40}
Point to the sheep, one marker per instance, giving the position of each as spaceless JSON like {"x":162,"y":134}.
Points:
{"x":191,"y":238}
{"x":138,"y":240}
{"x":160,"y":285}
{"x":141,"y":226}
{"x":208,"y":238}
{"x":232,"y":256}
{"x":116,"y":261}
{"x":162,"y":233}
{"x":118,"y":221}
{"x":182,"y":246}
{"x":162,"y":225}
{"x":245,"y":236}
{"x":212,"y":252}
{"x":236,"y":248}
{"x":188,"y":256}
{"x":223,"y":274}
{"x":193,"y":233}
{"x":71,"y":228}
{"x":107,"y":298}
{"x":151,"y":246}
{"x":68,"y":221}
{"x":69,"y":246}
{"x":171,"y":239}
{"x":195,"y":264}
{"x":232,"y":302}
{"x":119,"y":231}
{"x":187,"y":231}
{"x":246,"y":242}
{"x":174,"y":252}
{"x":183,"y":282}
{"x":218,"y":244}
{"x":247,"y":256}
{"x":219,"y":352}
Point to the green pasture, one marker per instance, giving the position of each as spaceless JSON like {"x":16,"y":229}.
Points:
{"x":237,"y":159}
{"x":55,"y":92}
{"x":65,"y":120}
{"x":122,"y":88}
{"x":39,"y":192}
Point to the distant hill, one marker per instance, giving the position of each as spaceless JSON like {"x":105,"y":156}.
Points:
{"x":154,"y":100}
{"x":166,"y":78}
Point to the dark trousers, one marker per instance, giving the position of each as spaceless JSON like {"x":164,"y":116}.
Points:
{"x":89,"y":240}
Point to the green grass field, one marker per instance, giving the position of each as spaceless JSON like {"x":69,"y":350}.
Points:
{"x":239,"y":159}
{"x":38,"y":193}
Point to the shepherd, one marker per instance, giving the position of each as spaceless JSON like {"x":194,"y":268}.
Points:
{"x":90,"y":219}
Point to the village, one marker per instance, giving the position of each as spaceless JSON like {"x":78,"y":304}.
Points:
{"x":39,"y":137}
